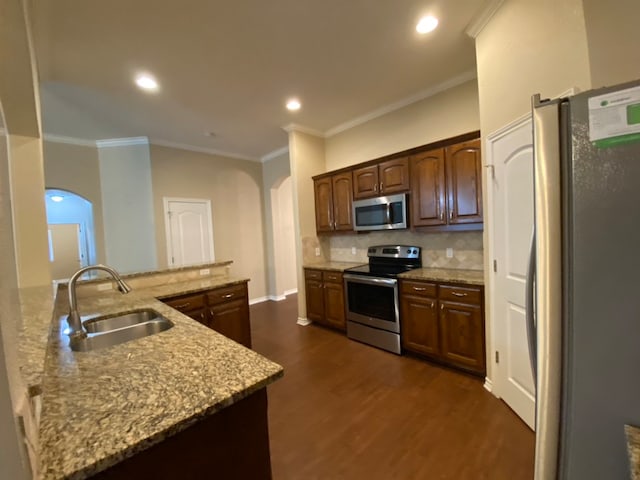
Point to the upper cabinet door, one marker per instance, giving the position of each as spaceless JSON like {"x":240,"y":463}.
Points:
{"x":365,"y":182}
{"x":428,"y":189}
{"x":464,"y":182}
{"x":394,"y":176}
{"x":342,"y":201}
{"x":324,"y":204}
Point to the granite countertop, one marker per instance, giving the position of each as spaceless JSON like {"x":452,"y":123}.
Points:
{"x":471,"y":277}
{"x":334,"y":266}
{"x":101,"y":407}
{"x":633,"y":447}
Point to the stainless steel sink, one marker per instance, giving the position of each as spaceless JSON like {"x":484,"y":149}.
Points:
{"x":107,"y":331}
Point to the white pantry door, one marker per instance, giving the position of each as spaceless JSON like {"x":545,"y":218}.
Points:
{"x":65,"y":254}
{"x":511,"y":154}
{"x":189,"y":231}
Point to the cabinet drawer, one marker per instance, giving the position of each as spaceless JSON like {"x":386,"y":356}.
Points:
{"x":312,"y":274}
{"x":227,"y":294}
{"x":186,"y":303}
{"x":462,"y":294}
{"x":332,"y":277}
{"x":422,"y":289}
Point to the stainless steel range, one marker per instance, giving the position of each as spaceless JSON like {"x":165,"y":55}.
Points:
{"x":373,"y":312}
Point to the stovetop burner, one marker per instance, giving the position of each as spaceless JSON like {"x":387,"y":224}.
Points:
{"x":389,"y":261}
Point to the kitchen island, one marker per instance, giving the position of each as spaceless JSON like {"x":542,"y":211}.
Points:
{"x":115,"y":410}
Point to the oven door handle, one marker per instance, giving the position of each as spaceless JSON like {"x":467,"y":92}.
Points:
{"x":370,"y":280}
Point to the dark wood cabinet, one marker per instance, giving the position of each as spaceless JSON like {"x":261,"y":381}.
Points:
{"x":444,"y":322}
{"x":446,"y":186}
{"x":384,"y":178}
{"x":225,"y":310}
{"x":325,"y":298}
{"x":334,"y":198}
{"x":464,"y":183}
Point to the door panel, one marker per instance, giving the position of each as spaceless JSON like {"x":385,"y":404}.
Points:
{"x":464,"y":188}
{"x":190,"y":234}
{"x":342,"y":201}
{"x":420,"y":331}
{"x":365,"y":182}
{"x":512,"y":226}
{"x":324,"y":204}
{"x":462,"y":335}
{"x":394,"y":176}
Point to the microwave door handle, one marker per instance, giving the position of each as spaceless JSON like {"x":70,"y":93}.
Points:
{"x":389,"y":213}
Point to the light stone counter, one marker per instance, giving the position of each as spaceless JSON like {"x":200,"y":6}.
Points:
{"x":471,"y":277}
{"x":333,"y":266}
{"x":103,"y":406}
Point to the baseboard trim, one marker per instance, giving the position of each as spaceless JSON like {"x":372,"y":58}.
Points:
{"x":303,"y":321}
{"x":276,"y":298}
{"x":253,"y":301}
{"x":488,"y":385}
{"x":290,"y":292}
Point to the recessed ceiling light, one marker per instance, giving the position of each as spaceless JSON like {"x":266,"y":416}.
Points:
{"x":293,"y":104}
{"x":56,"y":198}
{"x":427,"y":24}
{"x":147,"y":82}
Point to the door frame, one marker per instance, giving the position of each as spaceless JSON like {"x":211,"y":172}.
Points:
{"x":167,"y":223}
{"x":494,"y":384}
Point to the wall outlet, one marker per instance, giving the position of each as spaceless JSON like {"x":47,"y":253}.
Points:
{"x":317,"y":251}
{"x":449,"y":252}
{"x":353,"y":250}
{"x":204,"y":271}
{"x":104,"y":286}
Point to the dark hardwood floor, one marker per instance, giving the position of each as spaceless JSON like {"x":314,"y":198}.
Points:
{"x":345,"y":410}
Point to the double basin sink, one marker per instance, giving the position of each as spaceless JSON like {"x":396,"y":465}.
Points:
{"x":106,"y":331}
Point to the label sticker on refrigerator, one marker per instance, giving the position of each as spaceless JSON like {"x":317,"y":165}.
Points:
{"x":614,"y":118}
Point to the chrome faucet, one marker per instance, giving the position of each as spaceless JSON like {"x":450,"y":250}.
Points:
{"x":75,"y":324}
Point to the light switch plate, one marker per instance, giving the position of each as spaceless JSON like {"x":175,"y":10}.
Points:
{"x":204,"y":271}
{"x":317,"y":251}
{"x":449,"y":252}
{"x":353,"y":250}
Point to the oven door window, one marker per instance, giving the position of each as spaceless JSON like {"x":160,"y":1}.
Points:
{"x":372,"y":301}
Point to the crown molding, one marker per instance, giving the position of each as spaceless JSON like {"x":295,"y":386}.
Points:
{"x":48,"y":137}
{"x":275,"y":154}
{"x":210,"y":151}
{"x":294,"y":127}
{"x":122,"y":142}
{"x":430,"y":92}
{"x":482,"y":18}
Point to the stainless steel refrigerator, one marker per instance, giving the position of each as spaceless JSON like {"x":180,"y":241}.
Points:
{"x":584,"y":282}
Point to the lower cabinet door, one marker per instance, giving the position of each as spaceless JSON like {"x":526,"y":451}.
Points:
{"x":462,"y":334}
{"x":315,"y":300}
{"x":232,"y":320}
{"x":199,"y":315}
{"x":334,"y":305}
{"x":420,"y":331}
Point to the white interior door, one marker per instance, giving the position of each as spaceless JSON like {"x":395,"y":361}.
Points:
{"x":511,"y":154}
{"x":189,"y":231}
{"x":65,"y":254}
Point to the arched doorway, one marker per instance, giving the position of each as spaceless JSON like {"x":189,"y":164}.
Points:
{"x":284,"y":245}
{"x":71,"y":232}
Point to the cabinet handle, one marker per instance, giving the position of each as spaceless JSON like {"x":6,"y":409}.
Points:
{"x":441,"y":215}
{"x":202,"y":316}
{"x":211,"y":313}
{"x":333,"y":278}
{"x":451,"y":215}
{"x":419,"y":289}
{"x":433,"y":304}
{"x":375,"y":187}
{"x":381,"y":186}
{"x":182,"y":305}
{"x":459,"y":294}
{"x":228,"y":295}
{"x":441,"y":306}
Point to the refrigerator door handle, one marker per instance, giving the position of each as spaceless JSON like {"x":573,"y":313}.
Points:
{"x":530,"y":309}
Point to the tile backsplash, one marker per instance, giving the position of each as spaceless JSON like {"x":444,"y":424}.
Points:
{"x":467,"y":247}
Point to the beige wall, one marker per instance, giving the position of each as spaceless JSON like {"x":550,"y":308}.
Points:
{"x":307,"y":157}
{"x":529,"y":47}
{"x":75,"y":168}
{"x":612,"y":36}
{"x":447,"y":114}
{"x":234,"y":188}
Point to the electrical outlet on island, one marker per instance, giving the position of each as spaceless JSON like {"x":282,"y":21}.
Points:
{"x":353,"y":250}
{"x":449,"y":252}
{"x":317,"y":251}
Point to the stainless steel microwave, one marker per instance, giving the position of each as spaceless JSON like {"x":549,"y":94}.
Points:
{"x":380,"y":213}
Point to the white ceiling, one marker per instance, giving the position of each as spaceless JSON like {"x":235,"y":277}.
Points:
{"x":229,"y":66}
